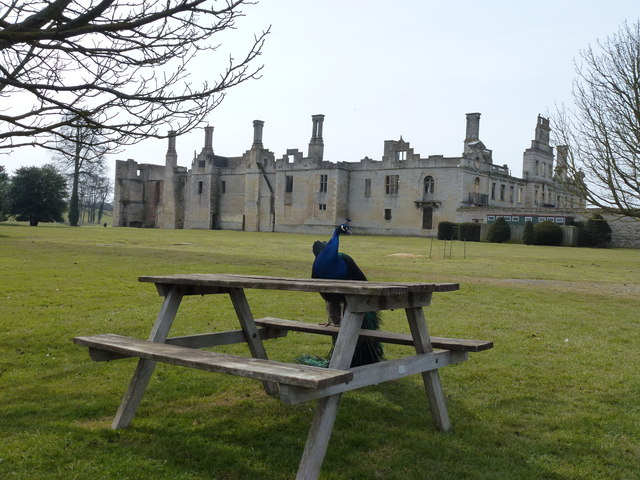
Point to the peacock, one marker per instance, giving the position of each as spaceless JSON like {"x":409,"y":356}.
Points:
{"x":331,"y":264}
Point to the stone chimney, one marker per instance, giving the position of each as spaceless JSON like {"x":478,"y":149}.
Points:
{"x":316,"y":145}
{"x":171,"y":159}
{"x":172,"y":142}
{"x":208,"y":139}
{"x":257,"y":133}
{"x":473,"y":127}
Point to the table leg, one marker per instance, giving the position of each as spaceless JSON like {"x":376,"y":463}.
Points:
{"x":327,"y":409}
{"x":241,"y":306}
{"x":145,"y":368}
{"x":431,"y":379}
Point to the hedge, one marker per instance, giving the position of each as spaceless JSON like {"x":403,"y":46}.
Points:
{"x":447,"y":231}
{"x":499,"y":231}
{"x":469,"y":231}
{"x":547,"y":233}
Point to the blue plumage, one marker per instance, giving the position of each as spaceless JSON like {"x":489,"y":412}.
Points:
{"x":331,"y":264}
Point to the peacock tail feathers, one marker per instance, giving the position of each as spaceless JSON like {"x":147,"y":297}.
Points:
{"x":371,"y":321}
{"x":367,"y":350}
{"x":330,"y":263}
{"x":313,"y":360}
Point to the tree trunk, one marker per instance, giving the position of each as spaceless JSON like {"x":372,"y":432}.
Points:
{"x":100,"y":210}
{"x":74,"y":213}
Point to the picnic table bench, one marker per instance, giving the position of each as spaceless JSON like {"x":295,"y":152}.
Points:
{"x":294,"y":383}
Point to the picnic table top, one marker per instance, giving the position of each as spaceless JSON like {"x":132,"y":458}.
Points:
{"x":346,"y":287}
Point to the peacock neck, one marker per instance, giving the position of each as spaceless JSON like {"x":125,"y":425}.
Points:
{"x":333,"y":244}
{"x":327,"y":263}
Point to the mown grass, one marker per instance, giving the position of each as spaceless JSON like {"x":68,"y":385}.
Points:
{"x":557,"y":398}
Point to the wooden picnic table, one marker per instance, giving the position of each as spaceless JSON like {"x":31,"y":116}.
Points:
{"x":294,"y":383}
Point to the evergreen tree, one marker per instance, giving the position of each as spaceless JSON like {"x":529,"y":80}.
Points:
{"x":528,"y":236}
{"x":597,"y":231}
{"x":499,"y":231}
{"x":4,"y":193}
{"x":548,"y":233}
{"x":38,"y":195}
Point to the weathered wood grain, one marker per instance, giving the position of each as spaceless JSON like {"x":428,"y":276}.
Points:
{"x":295,"y":284}
{"x":377,"y":373}
{"x":144,"y":369}
{"x":200,"y":340}
{"x":431,"y":378}
{"x":326,"y":410}
{"x":456,"y":344}
{"x":245,"y":317}
{"x":267,"y":370}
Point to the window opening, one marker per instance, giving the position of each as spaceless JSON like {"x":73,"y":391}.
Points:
{"x":323,"y":183}
{"x":391,"y":184}
{"x":367,"y":187}
{"x":429,"y":184}
{"x":427,"y":218}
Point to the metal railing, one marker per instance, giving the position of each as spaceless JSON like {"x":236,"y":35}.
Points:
{"x":478,"y":199}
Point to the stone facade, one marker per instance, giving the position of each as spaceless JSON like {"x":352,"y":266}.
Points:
{"x":625,"y":231}
{"x":403,"y":193}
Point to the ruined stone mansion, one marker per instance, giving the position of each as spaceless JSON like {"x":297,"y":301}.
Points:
{"x":400,"y":194}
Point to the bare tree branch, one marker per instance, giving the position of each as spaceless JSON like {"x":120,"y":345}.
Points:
{"x":602,"y":129}
{"x":123,"y":67}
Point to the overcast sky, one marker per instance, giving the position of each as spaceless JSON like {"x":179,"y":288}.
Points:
{"x":379,"y":70}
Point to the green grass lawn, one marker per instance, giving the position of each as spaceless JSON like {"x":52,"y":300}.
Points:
{"x":556,"y":398}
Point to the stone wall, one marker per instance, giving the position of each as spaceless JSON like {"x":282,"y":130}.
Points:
{"x":138,"y":192}
{"x":625,"y":231}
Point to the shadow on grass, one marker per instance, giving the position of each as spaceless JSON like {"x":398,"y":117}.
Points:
{"x":181,"y":432}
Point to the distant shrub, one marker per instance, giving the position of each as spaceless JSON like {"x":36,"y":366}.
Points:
{"x":597,"y":232}
{"x":469,"y":232}
{"x":499,"y":231}
{"x":547,"y":233}
{"x":447,"y":231}
{"x":529,"y":235}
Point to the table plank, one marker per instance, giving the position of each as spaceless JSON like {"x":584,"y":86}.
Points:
{"x":348,"y":287}
{"x":267,"y":370}
{"x":376,"y":373}
{"x":457,"y":344}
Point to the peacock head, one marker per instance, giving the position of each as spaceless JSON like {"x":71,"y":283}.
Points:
{"x":343,"y":228}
